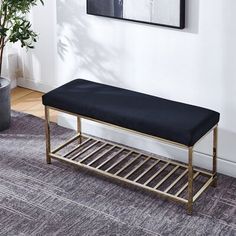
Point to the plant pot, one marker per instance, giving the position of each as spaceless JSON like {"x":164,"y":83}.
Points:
{"x":5,"y":107}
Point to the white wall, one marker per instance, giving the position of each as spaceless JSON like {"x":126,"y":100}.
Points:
{"x":195,"y":65}
{"x":39,"y":64}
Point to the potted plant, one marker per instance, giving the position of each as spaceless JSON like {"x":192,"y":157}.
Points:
{"x":14,"y":27}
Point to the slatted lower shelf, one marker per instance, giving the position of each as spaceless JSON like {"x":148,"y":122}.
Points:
{"x":165,"y":177}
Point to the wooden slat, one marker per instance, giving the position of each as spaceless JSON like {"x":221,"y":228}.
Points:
{"x":77,"y":147}
{"x":93,"y":152}
{"x":203,"y":188}
{"x":84,"y":150}
{"x":166,"y":177}
{"x":65,"y":144}
{"x":186,"y":185}
{"x":128,"y":164}
{"x":176,"y":181}
{"x":100,"y":156}
{"x":119,"y":161}
{"x":137,"y":167}
{"x":147,"y":170}
{"x":110,"y":158}
{"x":157,"y":173}
{"x":102,"y":172}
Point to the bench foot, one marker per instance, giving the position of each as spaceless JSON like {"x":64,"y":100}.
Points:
{"x":48,"y":160}
{"x":214,"y":161}
{"x":79,"y":129}
{"x":190,"y":181}
{"x":48,"y":138}
{"x":214,"y":183}
{"x":190,"y":209}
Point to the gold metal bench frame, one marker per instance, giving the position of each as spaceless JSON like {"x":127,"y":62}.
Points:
{"x":192,"y":173}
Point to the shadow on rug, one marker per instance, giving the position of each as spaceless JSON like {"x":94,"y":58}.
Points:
{"x":57,"y":199}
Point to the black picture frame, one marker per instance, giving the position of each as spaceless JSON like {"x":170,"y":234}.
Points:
{"x":181,"y":11}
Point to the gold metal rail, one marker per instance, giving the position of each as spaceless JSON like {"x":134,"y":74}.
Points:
{"x":105,"y":157}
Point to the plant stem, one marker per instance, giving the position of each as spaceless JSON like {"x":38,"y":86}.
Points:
{"x":2,"y":40}
{"x":1,"y":58}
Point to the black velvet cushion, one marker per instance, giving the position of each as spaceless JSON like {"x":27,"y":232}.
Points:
{"x":174,"y":121}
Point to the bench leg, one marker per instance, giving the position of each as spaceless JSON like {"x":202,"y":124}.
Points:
{"x":215,"y":144}
{"x":79,"y":129}
{"x":190,"y":180}
{"x":48,"y":138}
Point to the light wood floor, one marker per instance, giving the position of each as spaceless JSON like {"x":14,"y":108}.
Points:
{"x":29,"y":101}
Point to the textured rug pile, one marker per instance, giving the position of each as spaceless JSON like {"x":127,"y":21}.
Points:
{"x":58,"y":199}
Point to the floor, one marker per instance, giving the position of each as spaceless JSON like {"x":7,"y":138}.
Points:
{"x":40,"y":199}
{"x":29,"y":101}
{"x":60,"y":200}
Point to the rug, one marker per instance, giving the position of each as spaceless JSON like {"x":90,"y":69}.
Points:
{"x":58,"y":199}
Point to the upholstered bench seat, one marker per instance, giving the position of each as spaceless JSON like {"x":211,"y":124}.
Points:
{"x":178,"y":122}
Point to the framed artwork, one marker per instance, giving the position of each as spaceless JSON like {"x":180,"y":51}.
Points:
{"x":169,"y":13}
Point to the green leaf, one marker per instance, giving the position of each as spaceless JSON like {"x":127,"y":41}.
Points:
{"x":14,"y":26}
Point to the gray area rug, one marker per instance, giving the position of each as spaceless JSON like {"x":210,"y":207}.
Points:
{"x":58,"y":199}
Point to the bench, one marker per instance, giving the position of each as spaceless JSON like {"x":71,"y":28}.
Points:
{"x":173,"y":122}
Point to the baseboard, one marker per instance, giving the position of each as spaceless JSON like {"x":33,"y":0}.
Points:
{"x":150,"y":145}
{"x":13,"y":83}
{"x":41,"y":87}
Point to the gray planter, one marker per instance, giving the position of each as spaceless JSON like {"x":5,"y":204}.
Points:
{"x":5,"y":107}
